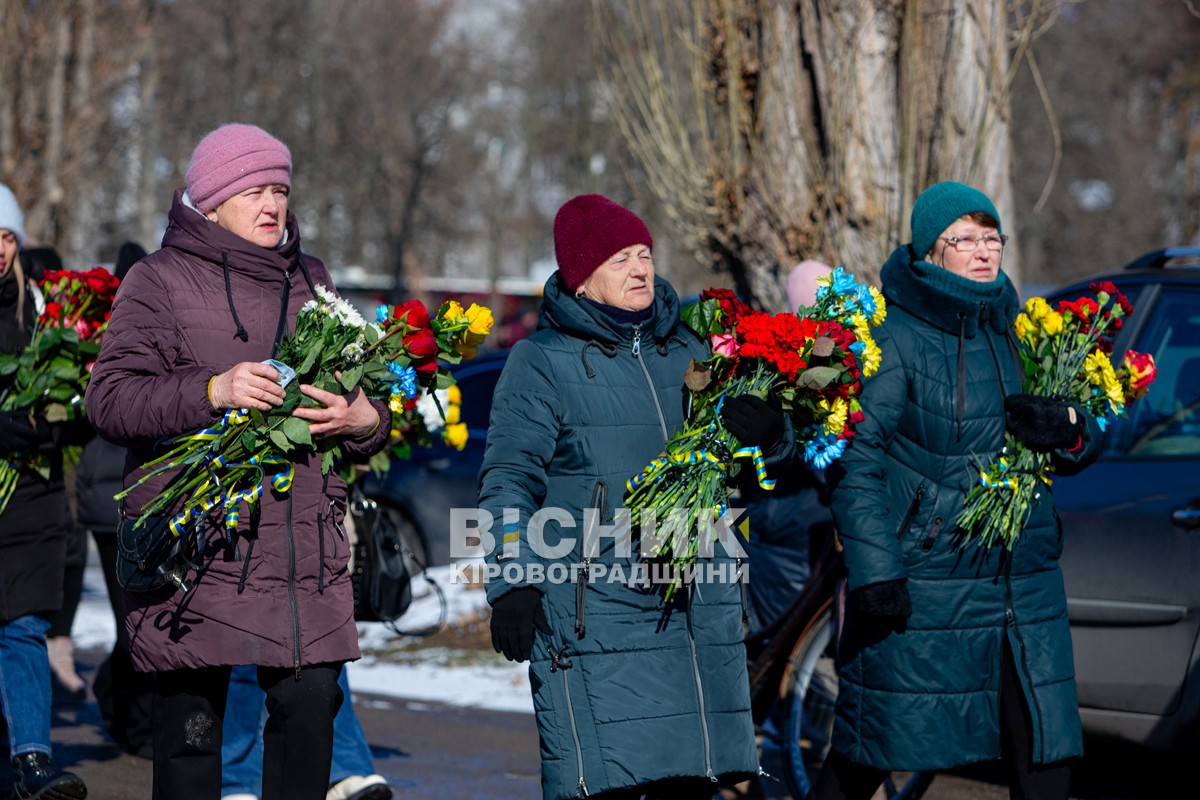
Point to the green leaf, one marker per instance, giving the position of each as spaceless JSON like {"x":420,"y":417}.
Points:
{"x":817,"y":377}
{"x":351,"y":377}
{"x":328,"y":459}
{"x":281,"y":441}
{"x":701,"y":316}
{"x":297,"y":431}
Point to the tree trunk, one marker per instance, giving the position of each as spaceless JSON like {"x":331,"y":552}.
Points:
{"x":808,"y":128}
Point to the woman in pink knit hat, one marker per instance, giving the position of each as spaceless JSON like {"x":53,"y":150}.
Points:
{"x":190,"y":331}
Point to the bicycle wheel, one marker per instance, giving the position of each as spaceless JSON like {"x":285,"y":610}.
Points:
{"x":810,"y":689}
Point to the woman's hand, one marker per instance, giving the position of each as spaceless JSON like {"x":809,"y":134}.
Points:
{"x":250,"y":384}
{"x":349,"y":415}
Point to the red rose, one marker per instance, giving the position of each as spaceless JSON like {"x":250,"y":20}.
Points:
{"x":418,"y":316}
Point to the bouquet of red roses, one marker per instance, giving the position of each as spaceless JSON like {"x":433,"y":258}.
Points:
{"x":1066,"y":352}
{"x":812,"y":361}
{"x":48,"y":377}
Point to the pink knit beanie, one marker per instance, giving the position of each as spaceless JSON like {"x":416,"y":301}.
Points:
{"x":589,"y":230}
{"x":232,"y":159}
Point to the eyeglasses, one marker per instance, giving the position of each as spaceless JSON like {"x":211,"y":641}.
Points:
{"x":967,"y":244}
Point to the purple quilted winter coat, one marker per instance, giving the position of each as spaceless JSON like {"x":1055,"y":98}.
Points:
{"x":175,"y":324}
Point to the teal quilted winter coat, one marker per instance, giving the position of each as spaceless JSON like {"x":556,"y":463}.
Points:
{"x":633,"y":693}
{"x":928,"y":697}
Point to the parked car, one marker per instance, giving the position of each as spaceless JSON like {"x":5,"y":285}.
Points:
{"x":418,"y":493}
{"x":1131,"y":524}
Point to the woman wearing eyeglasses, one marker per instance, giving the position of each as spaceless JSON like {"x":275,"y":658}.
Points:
{"x":950,"y":654}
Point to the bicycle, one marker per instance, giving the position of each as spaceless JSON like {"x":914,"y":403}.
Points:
{"x":794,"y":682}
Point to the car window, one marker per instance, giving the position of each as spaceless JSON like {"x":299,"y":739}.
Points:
{"x":477,"y":390}
{"x":1166,"y":422}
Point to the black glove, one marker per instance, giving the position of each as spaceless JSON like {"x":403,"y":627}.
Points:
{"x":754,"y":421}
{"x":21,"y":433}
{"x":883,"y":600}
{"x":1042,"y":423}
{"x":514,"y":616}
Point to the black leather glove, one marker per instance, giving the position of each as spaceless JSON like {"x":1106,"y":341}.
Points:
{"x":514,"y":616}
{"x":19,"y":432}
{"x":1042,"y":423}
{"x":883,"y":600}
{"x":754,"y":421}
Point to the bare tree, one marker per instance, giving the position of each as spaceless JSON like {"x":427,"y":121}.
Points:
{"x":779,"y":131}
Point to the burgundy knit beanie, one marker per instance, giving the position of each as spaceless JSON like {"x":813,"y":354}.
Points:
{"x":232,"y":159}
{"x":589,"y":230}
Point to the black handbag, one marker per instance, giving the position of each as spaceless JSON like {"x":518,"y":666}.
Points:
{"x":150,"y":558}
{"x":384,"y":568}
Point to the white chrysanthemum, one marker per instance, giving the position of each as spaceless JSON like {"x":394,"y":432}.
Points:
{"x":308,"y":307}
{"x":353,"y":352}
{"x":429,"y":412}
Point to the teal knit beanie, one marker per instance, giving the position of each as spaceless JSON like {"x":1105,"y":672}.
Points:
{"x":939,"y":206}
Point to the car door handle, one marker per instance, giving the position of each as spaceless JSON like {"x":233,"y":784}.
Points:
{"x":1188,"y":517}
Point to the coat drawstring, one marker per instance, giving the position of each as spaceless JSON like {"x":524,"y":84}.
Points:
{"x":609,"y":350}
{"x":960,"y":391}
{"x":241,"y":331}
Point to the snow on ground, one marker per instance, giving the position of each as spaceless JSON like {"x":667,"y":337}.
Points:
{"x":435,"y":674}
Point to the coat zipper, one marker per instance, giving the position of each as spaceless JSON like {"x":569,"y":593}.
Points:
{"x":913,"y":507}
{"x":581,"y":789}
{"x":1035,"y":711}
{"x":583,"y":574}
{"x":291,"y":539}
{"x":927,"y":543}
{"x":708,"y":770}
{"x":637,"y":354}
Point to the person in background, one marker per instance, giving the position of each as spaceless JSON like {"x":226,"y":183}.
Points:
{"x":948,"y":654}
{"x":352,"y":775}
{"x":788,"y":523}
{"x":66,"y":685}
{"x":122,"y":693}
{"x":634,"y":697}
{"x":191,"y":327}
{"x":33,"y":540}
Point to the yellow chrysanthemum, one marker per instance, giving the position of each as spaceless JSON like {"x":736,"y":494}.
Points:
{"x":453,"y":414}
{"x":480,"y":319}
{"x":1052,"y":323}
{"x":396,"y":403}
{"x":1098,"y":368}
{"x":1037,"y":307}
{"x":880,"y":306}
{"x":872,"y":357}
{"x":453,"y":311}
{"x":835,"y":423}
{"x":454,"y":395}
{"x":394,"y":435}
{"x":1115,"y":393}
{"x":862,"y":326}
{"x":456,"y":435}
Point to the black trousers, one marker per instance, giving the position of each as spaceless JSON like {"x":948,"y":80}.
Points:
{"x":189,"y":706}
{"x":843,"y":779}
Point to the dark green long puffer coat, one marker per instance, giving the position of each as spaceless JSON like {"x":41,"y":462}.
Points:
{"x":928,"y":697}
{"x":635,"y":696}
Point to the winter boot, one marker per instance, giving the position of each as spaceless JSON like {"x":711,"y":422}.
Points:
{"x":35,"y":777}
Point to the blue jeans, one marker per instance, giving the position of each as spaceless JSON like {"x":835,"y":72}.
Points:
{"x":25,"y":684}
{"x":241,"y":742}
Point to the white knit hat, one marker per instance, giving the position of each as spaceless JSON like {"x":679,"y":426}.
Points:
{"x":11,"y":218}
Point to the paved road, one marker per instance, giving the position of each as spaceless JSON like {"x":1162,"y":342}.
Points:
{"x":436,"y":752}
